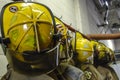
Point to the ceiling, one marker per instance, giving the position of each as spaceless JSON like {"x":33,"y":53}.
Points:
{"x":110,"y":11}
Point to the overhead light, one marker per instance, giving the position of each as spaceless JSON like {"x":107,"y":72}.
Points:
{"x":106,"y":3}
{"x":106,"y":22}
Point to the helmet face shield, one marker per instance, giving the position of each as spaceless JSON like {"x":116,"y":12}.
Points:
{"x":38,"y":63}
{"x":30,"y":27}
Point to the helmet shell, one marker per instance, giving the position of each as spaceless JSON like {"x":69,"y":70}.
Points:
{"x":83,"y":49}
{"x":30,"y":28}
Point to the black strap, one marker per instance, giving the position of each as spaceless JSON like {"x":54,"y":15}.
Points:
{"x":59,"y":75}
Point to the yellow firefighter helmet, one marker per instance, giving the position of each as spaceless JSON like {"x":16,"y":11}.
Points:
{"x":103,"y":54}
{"x":111,"y":55}
{"x":29,"y":37}
{"x":61,"y":28}
{"x":83,"y":49}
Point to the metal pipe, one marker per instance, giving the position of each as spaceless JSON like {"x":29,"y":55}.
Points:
{"x":104,"y":36}
{"x":96,"y":36}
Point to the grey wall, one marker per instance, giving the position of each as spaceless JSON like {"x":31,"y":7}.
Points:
{"x":3,"y":2}
{"x":62,"y":8}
